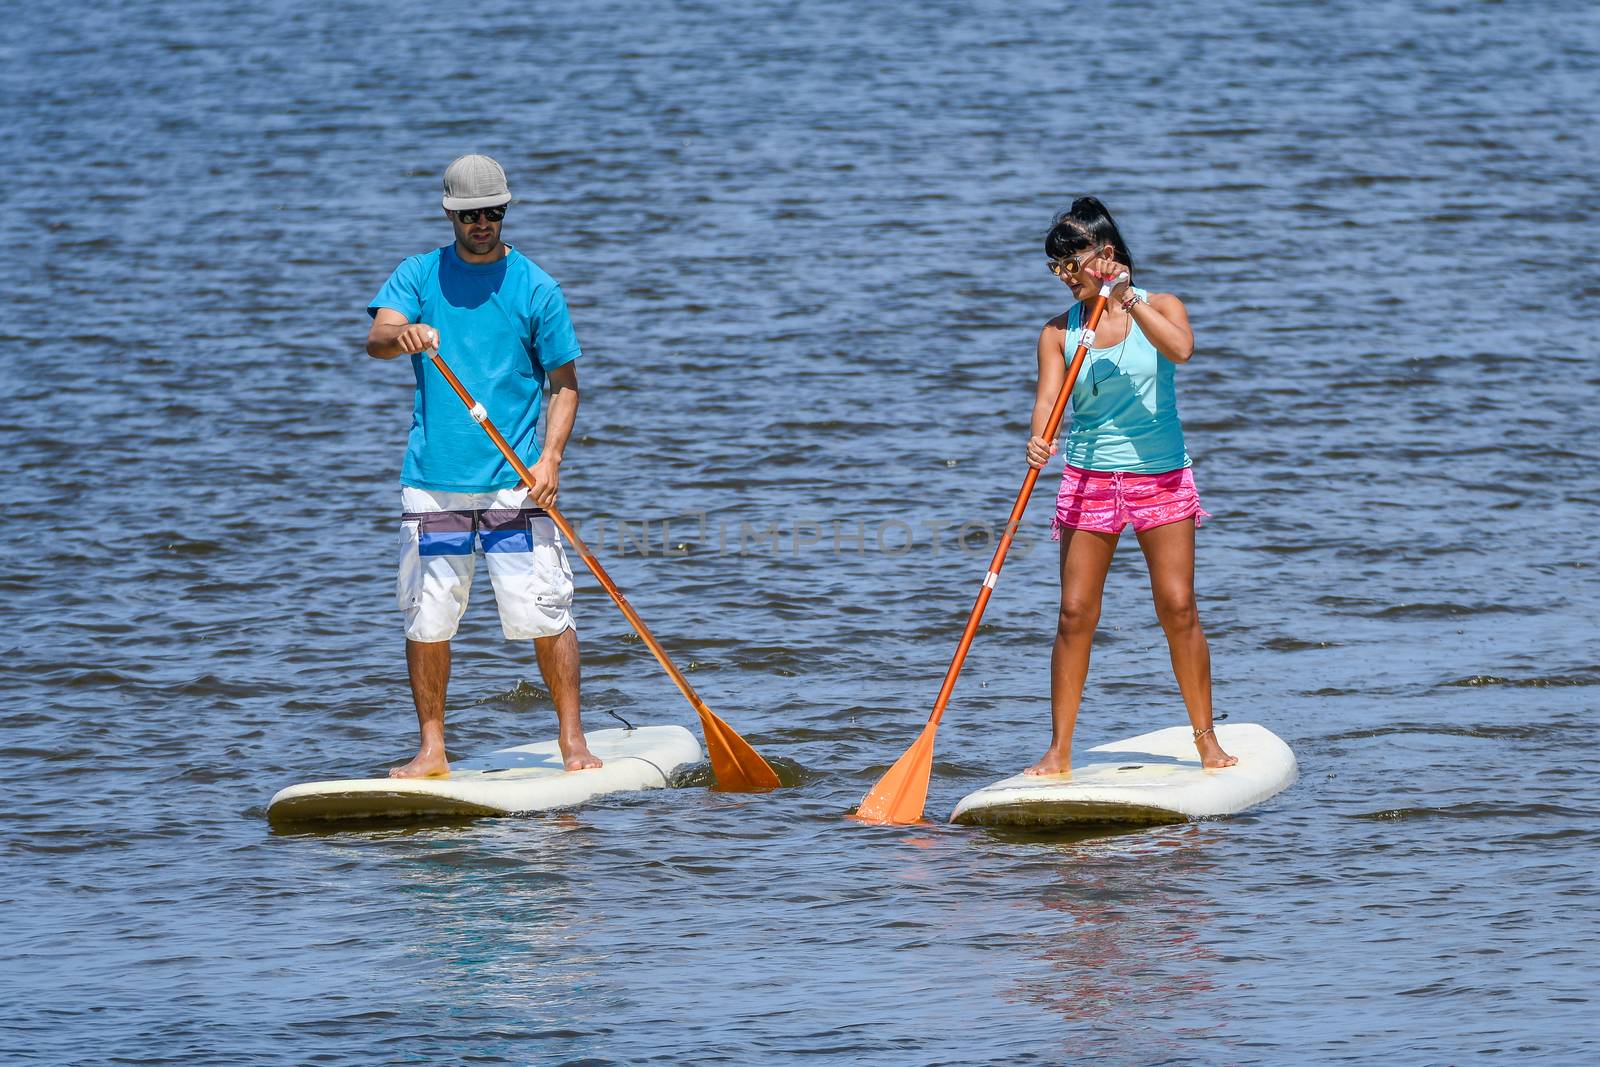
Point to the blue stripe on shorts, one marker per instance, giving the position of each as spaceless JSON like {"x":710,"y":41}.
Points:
{"x":452,"y":533}
{"x":430,"y":543}
{"x":514,"y":540}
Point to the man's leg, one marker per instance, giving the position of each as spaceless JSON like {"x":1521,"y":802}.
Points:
{"x":558,"y":662}
{"x":429,"y":665}
{"x":533,"y":590}
{"x":432,"y":591}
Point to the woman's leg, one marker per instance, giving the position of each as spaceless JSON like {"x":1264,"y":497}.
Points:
{"x":1169,"y":551}
{"x":1085,"y":559}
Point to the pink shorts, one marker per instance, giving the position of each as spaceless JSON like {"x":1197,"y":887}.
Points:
{"x":1106,"y":501}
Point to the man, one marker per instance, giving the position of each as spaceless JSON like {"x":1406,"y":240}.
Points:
{"x":501,"y":324}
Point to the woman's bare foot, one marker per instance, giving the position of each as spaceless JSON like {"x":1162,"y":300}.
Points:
{"x":429,"y":763}
{"x":1211,"y":755}
{"x":1054,"y":761}
{"x":575,"y":754}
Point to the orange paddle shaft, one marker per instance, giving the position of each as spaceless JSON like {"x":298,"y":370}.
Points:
{"x":735,"y":764}
{"x":902,"y":792}
{"x":990,"y":579}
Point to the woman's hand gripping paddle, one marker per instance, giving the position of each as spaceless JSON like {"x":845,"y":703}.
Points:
{"x":901,"y":793}
{"x":737,"y":767}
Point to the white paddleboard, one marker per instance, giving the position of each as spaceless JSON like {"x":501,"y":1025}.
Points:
{"x":525,"y":778}
{"x":1150,"y":779}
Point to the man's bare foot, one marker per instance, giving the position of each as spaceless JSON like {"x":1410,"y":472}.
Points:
{"x":427,"y":764}
{"x":575,"y":754}
{"x":1211,"y":755}
{"x":1053,"y":762}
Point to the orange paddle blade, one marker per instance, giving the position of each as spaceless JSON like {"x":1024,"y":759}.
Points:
{"x":738,"y":767}
{"x":900,"y":794}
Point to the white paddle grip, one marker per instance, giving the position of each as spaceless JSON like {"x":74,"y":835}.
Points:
{"x":1111,"y":283}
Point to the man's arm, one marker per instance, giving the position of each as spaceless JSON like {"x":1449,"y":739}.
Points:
{"x":391,"y":335}
{"x":559,"y":419}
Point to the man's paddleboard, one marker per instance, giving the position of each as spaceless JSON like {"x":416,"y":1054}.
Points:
{"x":1150,"y":779}
{"x":525,"y":778}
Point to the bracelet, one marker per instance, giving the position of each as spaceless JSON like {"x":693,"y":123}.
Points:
{"x":1133,"y":298}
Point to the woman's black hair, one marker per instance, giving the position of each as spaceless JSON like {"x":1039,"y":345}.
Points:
{"x":1087,"y":223}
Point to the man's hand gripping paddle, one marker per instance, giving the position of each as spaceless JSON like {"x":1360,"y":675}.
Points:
{"x":738,"y":767}
{"x":901,"y":793}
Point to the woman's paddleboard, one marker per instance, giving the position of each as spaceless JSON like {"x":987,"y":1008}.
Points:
{"x":525,"y":778}
{"x":1150,"y":779}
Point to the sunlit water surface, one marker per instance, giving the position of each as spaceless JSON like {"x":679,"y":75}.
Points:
{"x":802,"y":246}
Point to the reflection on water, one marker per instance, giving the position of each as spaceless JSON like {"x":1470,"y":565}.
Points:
{"x":1124,"y":929}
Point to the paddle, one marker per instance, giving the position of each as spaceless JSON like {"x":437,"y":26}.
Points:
{"x":737,"y":766}
{"x":903,"y":790}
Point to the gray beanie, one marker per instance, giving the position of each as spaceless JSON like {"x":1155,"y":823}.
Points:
{"x":474,"y":181}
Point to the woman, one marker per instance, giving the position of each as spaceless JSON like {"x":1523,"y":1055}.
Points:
{"x":1126,"y":463}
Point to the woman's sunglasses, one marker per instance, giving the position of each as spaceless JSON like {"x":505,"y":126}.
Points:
{"x":1077,"y":261}
{"x":469,"y":216}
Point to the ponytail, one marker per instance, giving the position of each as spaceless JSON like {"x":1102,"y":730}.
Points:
{"x":1087,"y":223}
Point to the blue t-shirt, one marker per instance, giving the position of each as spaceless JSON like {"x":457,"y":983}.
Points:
{"x":501,"y":326}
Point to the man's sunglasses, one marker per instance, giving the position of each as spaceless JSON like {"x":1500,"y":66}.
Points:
{"x":470,"y":215}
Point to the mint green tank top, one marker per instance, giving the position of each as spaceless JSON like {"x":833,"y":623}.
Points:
{"x":1124,"y":405}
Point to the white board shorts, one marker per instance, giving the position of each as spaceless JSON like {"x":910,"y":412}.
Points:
{"x":441,"y":536}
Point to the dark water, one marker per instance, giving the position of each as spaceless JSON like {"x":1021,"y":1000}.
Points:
{"x":802,"y":244}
